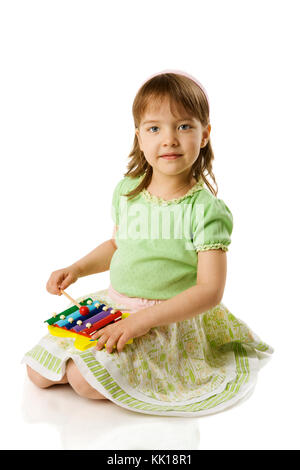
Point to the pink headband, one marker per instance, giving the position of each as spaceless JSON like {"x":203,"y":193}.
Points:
{"x":180,"y":72}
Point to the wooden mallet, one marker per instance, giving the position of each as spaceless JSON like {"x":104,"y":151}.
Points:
{"x":83,"y":309}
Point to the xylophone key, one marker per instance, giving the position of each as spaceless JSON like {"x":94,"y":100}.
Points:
{"x":67,"y":312}
{"x":94,"y":308}
{"x":112,"y":317}
{"x":92,"y":320}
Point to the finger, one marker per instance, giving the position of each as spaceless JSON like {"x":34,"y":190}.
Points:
{"x":99,"y":333}
{"x":112,"y":341}
{"x":121,"y":343}
{"x":96,"y":335}
{"x":53,"y":284}
{"x":48,"y":287}
{"x":101,"y":341}
{"x":66,"y":282}
{"x":56,"y":290}
{"x":52,"y":289}
{"x":49,"y":284}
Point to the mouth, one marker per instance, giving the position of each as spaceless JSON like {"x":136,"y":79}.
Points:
{"x":171,"y":156}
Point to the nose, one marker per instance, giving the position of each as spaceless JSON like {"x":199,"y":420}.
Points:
{"x":169,"y":138}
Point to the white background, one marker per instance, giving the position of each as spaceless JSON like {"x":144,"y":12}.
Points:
{"x":69,"y":74}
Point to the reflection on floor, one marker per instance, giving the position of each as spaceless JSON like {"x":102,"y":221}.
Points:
{"x":93,"y":424}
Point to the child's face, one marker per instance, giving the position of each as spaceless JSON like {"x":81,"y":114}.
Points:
{"x":180,"y":134}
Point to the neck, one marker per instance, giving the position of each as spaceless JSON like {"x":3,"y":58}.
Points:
{"x":171,"y":187}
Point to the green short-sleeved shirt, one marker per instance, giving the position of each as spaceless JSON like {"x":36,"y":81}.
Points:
{"x":158,"y":240}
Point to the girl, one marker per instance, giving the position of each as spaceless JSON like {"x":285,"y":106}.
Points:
{"x":190,"y":355}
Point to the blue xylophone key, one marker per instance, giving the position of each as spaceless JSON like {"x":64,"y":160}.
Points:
{"x":93,"y":308}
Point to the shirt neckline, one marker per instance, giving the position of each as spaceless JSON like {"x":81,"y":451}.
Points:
{"x":159,"y":200}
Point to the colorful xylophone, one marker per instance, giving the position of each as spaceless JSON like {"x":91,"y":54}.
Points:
{"x":82,"y":323}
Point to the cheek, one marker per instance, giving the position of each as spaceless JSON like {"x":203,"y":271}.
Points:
{"x":193,"y":140}
{"x":150,"y":140}
{"x":150,"y":146}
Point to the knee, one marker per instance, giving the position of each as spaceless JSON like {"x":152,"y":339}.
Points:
{"x":75,"y":379}
{"x":37,"y":379}
{"x":79,"y":384}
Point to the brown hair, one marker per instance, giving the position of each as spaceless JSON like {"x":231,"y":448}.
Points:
{"x":185,"y":93}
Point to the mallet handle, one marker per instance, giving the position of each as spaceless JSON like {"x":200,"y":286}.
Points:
{"x":70,"y":298}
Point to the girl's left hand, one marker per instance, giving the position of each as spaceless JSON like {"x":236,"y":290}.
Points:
{"x":122,"y":331}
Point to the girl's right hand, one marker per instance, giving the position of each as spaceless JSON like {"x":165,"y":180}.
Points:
{"x":61,"y":279}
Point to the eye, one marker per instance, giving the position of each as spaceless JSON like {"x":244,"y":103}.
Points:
{"x":185,"y":125}
{"x":155,"y":127}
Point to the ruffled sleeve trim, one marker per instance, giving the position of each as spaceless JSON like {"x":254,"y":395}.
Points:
{"x":212,"y":246}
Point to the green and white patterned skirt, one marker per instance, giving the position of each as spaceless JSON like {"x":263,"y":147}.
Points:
{"x":196,"y":367}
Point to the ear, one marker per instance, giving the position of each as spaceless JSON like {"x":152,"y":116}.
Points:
{"x":137,"y":133}
{"x":205,"y":135}
{"x":206,"y":132}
